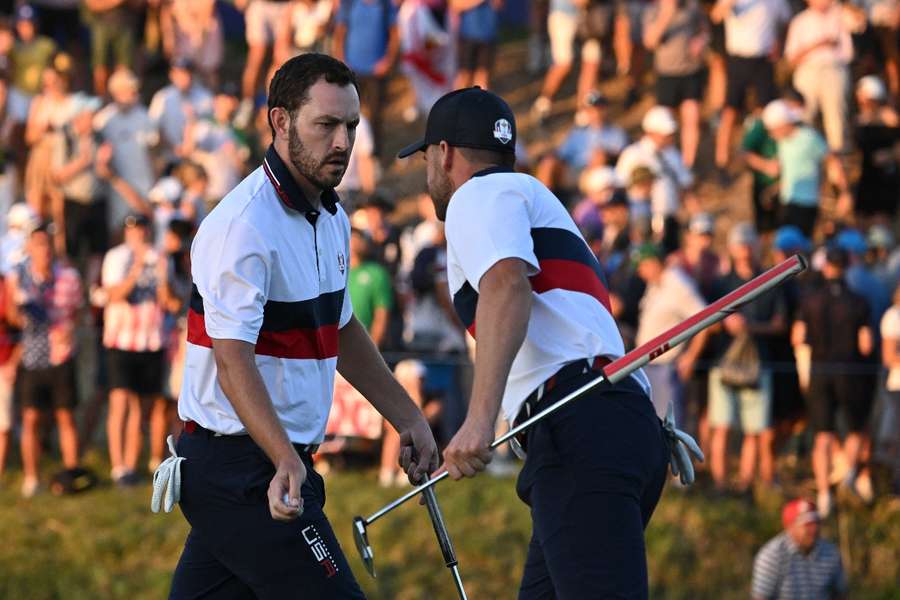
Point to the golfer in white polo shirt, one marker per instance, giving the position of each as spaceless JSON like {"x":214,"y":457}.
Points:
{"x":270,"y":320}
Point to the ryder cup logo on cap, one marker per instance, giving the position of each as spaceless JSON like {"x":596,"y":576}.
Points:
{"x":468,"y":118}
{"x":503,"y":131}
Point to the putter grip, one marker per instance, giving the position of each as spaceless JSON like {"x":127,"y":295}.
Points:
{"x":440,"y":529}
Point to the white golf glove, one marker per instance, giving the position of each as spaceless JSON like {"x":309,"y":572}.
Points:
{"x":167,"y":481}
{"x":682,"y":446}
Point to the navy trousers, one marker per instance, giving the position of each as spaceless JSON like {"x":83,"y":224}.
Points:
{"x":235,"y":550}
{"x":594,"y":473}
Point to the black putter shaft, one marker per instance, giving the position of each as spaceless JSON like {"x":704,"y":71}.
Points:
{"x":443,"y":537}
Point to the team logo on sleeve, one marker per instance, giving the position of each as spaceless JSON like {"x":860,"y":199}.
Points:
{"x":503,"y":131}
{"x":320,"y":550}
{"x":341,"y":263}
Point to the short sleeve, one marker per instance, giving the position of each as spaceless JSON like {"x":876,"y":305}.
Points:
{"x":364,"y":142}
{"x":347,"y":304}
{"x":568,"y":150}
{"x":791,"y":40}
{"x":114,"y":267}
{"x":485,"y":226}
{"x":839,"y":577}
{"x":157,"y":106}
{"x":863,"y":313}
{"x":392,"y":12}
{"x":765,"y":572}
{"x":890,"y":324}
{"x":820,"y":147}
{"x":343,"y":13}
{"x":384,"y":297}
{"x":753,"y":139}
{"x":235,"y":286}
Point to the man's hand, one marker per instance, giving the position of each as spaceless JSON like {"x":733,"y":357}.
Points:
{"x":685,"y":366}
{"x":418,"y":451}
{"x":382,"y":67}
{"x":469,"y":451}
{"x":735,"y":324}
{"x":285,"y":502}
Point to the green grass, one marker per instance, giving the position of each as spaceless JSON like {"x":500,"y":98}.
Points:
{"x":106,"y":544}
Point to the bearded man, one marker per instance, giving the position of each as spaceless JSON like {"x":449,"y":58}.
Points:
{"x":270,"y":320}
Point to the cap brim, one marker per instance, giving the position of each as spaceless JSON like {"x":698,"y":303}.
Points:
{"x":412,"y":149}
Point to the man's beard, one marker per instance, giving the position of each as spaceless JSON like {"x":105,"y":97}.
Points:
{"x":312,"y":169}
{"x":440,"y":188}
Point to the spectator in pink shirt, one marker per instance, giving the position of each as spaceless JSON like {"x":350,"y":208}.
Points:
{"x":44,"y":296}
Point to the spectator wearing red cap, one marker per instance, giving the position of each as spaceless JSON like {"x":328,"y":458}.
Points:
{"x":797,"y":563}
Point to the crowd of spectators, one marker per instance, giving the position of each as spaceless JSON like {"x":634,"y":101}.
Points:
{"x":122,"y":124}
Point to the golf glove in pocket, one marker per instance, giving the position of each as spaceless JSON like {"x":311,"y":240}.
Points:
{"x":682,"y":446}
{"x":167,"y":481}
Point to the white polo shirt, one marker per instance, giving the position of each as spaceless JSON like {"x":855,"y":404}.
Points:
{"x":672,"y":176}
{"x":751,"y":27}
{"x":499,"y":214}
{"x":271,"y":271}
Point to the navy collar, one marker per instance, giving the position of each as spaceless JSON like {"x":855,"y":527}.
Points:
{"x":288,"y":190}
{"x":492,"y":170}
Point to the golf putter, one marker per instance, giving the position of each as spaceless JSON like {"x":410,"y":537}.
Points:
{"x":361,"y":537}
{"x":637,"y":358}
{"x":443,"y":537}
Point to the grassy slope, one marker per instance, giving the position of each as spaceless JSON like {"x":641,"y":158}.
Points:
{"x":106,"y":544}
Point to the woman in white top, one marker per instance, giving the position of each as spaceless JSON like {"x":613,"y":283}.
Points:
{"x":50,"y":111}
{"x":304,"y":29}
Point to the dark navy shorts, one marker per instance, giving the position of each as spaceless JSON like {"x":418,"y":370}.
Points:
{"x":235,"y":550}
{"x":594,"y":473}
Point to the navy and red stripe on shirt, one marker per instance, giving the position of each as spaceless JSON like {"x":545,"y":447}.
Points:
{"x":566,"y":263}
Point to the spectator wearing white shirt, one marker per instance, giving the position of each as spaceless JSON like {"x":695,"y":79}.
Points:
{"x":426,"y":55}
{"x":656,"y":150}
{"x":191,"y":31}
{"x":303,"y":29}
{"x":181,"y":101}
{"x":670,"y":298}
{"x":597,"y":143}
{"x":128,"y":134}
{"x":361,"y":175}
{"x":819,"y":49}
{"x":213,"y":143}
{"x":752,"y":31}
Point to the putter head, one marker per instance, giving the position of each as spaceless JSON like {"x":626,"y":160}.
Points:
{"x":361,"y":537}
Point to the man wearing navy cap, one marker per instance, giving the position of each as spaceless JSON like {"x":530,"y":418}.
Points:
{"x":518,"y":267}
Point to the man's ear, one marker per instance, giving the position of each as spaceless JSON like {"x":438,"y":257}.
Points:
{"x":448,"y":154}
{"x":280,"y":119}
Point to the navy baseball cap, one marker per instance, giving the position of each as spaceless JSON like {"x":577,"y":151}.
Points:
{"x":470,"y":118}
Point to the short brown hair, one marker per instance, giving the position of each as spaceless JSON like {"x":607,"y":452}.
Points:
{"x":290,"y":85}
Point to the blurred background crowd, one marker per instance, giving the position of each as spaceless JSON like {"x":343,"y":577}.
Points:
{"x":696,"y":144}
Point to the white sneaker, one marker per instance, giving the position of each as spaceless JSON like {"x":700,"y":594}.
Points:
{"x":823,"y":504}
{"x":30,"y":487}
